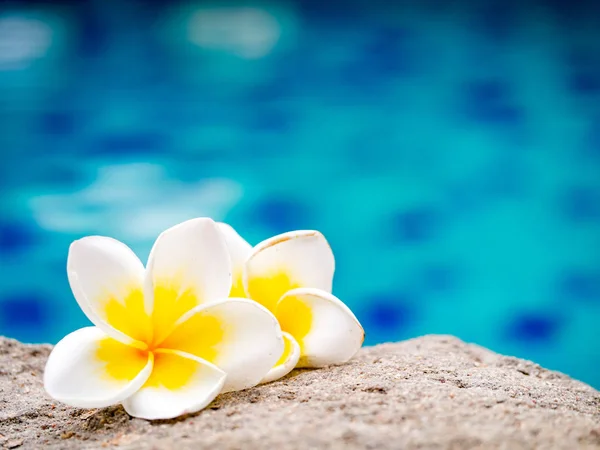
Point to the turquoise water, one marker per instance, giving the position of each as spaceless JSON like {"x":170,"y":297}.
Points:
{"x":450,"y":154}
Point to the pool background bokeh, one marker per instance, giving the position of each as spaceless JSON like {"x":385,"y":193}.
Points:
{"x":449,"y":151}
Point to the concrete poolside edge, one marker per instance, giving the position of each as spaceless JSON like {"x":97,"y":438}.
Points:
{"x":428,"y":392}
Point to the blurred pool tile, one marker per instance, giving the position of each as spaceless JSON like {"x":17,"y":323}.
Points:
{"x":440,"y":278}
{"x":416,"y":226}
{"x":331,"y":12}
{"x":592,"y":141}
{"x":464,"y":198}
{"x":16,"y":236}
{"x":581,"y":204}
{"x":535,"y":328}
{"x":272,"y":120}
{"x":585,"y":83}
{"x":25,"y":316}
{"x":58,"y":123}
{"x":130,"y":144}
{"x":387,"y":316}
{"x":505,"y":178}
{"x":281,"y":214}
{"x":582,"y":285}
{"x":277,"y":89}
{"x":496,"y":19}
{"x":391,"y":52}
{"x":491,"y":101}
{"x":571,"y":12}
{"x":62,"y":173}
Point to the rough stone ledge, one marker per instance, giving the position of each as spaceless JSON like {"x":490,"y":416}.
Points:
{"x":427,"y":393}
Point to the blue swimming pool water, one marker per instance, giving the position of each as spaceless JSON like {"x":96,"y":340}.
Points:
{"x":450,"y":152}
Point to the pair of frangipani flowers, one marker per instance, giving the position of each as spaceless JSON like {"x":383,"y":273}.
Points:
{"x":208,"y":314}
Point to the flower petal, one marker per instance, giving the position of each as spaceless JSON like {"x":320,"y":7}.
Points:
{"x":106,"y":278}
{"x":179,"y":384}
{"x":325,"y":328}
{"x":290,"y":260}
{"x":237,"y":335}
{"x":188,"y":265}
{"x":88,"y":369}
{"x":239,"y":251}
{"x":287,"y":361}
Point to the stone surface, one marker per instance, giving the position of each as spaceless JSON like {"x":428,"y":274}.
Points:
{"x":426,"y":393}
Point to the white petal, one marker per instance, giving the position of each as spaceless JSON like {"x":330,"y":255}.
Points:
{"x":88,"y":369}
{"x":106,"y":278}
{"x":237,"y":335}
{"x":325,"y":328}
{"x":287,"y":361}
{"x":290,"y":260}
{"x":189,"y":265}
{"x":239,"y":251}
{"x":180,"y":384}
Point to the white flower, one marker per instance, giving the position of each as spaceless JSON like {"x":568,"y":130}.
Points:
{"x":166,"y":339}
{"x":291,"y":275}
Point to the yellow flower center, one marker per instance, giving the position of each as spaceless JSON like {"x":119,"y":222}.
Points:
{"x":268,"y":290}
{"x":158,"y":333}
{"x":294,"y":315}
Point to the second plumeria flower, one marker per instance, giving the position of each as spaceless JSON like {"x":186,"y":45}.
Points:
{"x":291,"y":275}
{"x":166,"y":339}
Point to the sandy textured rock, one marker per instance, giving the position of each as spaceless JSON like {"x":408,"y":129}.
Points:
{"x":427,"y":393}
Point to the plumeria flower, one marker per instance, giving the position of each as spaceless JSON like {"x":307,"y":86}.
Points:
{"x":167,"y":340}
{"x":291,"y":275}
